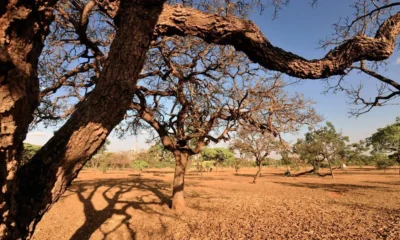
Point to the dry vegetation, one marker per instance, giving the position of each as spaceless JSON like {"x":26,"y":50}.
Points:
{"x":361,"y":203}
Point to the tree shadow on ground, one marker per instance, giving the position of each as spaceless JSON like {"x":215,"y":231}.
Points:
{"x":262,"y":174}
{"x":332,"y":187}
{"x":114,"y":190}
{"x":369,"y":171}
{"x":395,"y":183}
{"x":159,"y":171}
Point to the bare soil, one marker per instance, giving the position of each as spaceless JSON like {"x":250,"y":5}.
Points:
{"x":361,"y":203}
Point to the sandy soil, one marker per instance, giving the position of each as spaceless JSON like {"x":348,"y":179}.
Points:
{"x":358,"y":204}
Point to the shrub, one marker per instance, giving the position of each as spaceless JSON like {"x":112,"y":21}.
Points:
{"x":383,"y":164}
{"x":139,"y":165}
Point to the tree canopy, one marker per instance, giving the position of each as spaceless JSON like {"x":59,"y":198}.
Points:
{"x":323,"y":144}
{"x":387,"y":140}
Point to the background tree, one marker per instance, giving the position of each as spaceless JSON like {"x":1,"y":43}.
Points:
{"x":252,"y":141}
{"x":193,"y":94}
{"x":387,"y":140}
{"x":29,"y":151}
{"x":219,"y":155}
{"x":355,"y":154}
{"x":382,"y":161}
{"x":100,"y":157}
{"x":319,"y":145}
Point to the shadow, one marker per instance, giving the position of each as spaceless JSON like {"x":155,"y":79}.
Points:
{"x":370,"y":171}
{"x":161,"y":171}
{"x":332,"y":187}
{"x":114,"y":190}
{"x":385,"y":183}
{"x":262,"y":174}
{"x":200,"y":178}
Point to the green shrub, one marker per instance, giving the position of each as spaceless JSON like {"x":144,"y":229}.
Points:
{"x":383,"y":164}
{"x":139,"y":165}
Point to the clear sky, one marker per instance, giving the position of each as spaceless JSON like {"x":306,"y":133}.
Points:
{"x":298,"y":29}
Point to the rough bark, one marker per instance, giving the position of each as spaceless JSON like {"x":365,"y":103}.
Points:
{"x":41,"y":182}
{"x":245,"y":36}
{"x":178,"y":200}
{"x":258,"y":172}
{"x":24,"y":26}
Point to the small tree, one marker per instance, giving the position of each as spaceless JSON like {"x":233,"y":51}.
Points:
{"x":382,"y":161}
{"x":387,"y":140}
{"x":319,"y":145}
{"x":139,"y":165}
{"x":219,"y":155}
{"x":355,"y":154}
{"x":251,"y":141}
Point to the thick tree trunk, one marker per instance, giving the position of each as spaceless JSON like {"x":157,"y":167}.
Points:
{"x":41,"y":182}
{"x":24,"y":26}
{"x":258,"y":171}
{"x":178,"y":200}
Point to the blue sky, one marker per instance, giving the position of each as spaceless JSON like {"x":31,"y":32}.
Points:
{"x":298,"y":29}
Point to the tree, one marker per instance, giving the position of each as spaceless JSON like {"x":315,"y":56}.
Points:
{"x":203,"y":93}
{"x":219,"y":155}
{"x":319,"y":145}
{"x":19,"y":54}
{"x":139,"y":165}
{"x":382,"y":161}
{"x":157,"y":153}
{"x":250,"y":140}
{"x":29,"y":151}
{"x":387,"y":140}
{"x":355,"y":154}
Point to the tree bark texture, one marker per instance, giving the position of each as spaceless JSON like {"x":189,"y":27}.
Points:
{"x":41,"y":182}
{"x":178,"y":200}
{"x":24,"y":26}
{"x":245,"y":36}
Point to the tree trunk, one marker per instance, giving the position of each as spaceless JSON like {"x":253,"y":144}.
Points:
{"x":24,"y":26}
{"x":40,"y":183}
{"x":258,"y":171}
{"x":330,"y":168}
{"x":178,"y":200}
{"x":316,"y":167}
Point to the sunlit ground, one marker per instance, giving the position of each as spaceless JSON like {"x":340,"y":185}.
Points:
{"x":361,"y":203}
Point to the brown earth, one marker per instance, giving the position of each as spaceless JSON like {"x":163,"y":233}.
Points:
{"x":361,"y":203}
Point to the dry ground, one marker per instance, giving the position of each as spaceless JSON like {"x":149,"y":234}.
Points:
{"x":359,"y":204}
